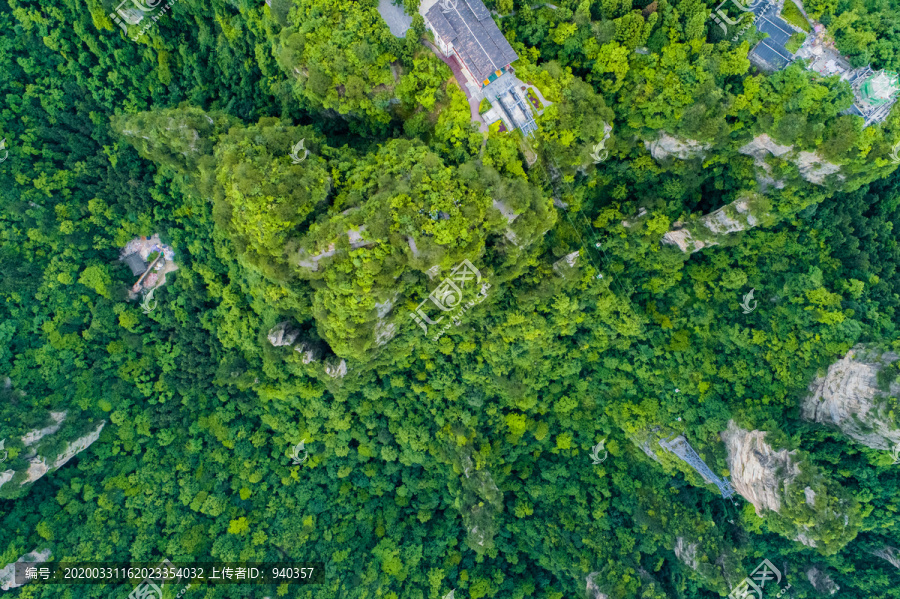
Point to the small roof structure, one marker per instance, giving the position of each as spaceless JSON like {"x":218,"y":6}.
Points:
{"x":137,"y":264}
{"x":880,"y":88}
{"x":771,"y":53}
{"x":468,"y":26}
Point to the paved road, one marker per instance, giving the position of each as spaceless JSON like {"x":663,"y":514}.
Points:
{"x":397,"y":20}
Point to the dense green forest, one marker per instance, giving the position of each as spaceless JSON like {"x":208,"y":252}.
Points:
{"x":458,"y":461}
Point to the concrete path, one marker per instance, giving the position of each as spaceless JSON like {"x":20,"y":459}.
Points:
{"x":397,"y":20}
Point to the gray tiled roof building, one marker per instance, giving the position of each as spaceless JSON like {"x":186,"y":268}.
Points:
{"x":465,"y":28}
{"x":137,"y":264}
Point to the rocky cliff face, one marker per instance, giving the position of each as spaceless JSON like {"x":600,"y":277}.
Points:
{"x":8,"y":573}
{"x":593,"y":591}
{"x":821,"y":581}
{"x":354,"y":236}
{"x":890,"y":554}
{"x":566,"y":263}
{"x":667,"y":145}
{"x":812,"y":167}
{"x":850,"y":398}
{"x":758,"y":473}
{"x":698,"y":233}
{"x":336,"y":368}
{"x":283,"y":334}
{"x":687,"y":552}
{"x":34,"y":436}
{"x":39,"y":465}
{"x":77,"y":446}
{"x":796,"y":500}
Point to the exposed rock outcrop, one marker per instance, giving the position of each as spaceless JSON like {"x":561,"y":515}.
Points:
{"x":384,"y":332}
{"x":762,"y":145}
{"x":310,"y":351}
{"x":771,"y":481}
{"x":758,"y":472}
{"x":354,"y":236}
{"x":812,"y":167}
{"x":77,"y":446}
{"x":283,"y":333}
{"x":384,"y":308}
{"x":412,"y":246}
{"x":510,"y":216}
{"x":593,"y":591}
{"x":667,"y":145}
{"x":478,"y":498}
{"x":890,"y":554}
{"x":335,"y":368}
{"x":687,"y":552}
{"x":34,"y":436}
{"x":637,"y":218}
{"x":566,"y":263}
{"x":8,"y":573}
{"x":701,"y":232}
{"x":39,"y":465}
{"x":821,"y":581}
{"x":506,"y":211}
{"x":849,"y":397}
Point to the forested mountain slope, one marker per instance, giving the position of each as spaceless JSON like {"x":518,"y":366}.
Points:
{"x":451,"y":458}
